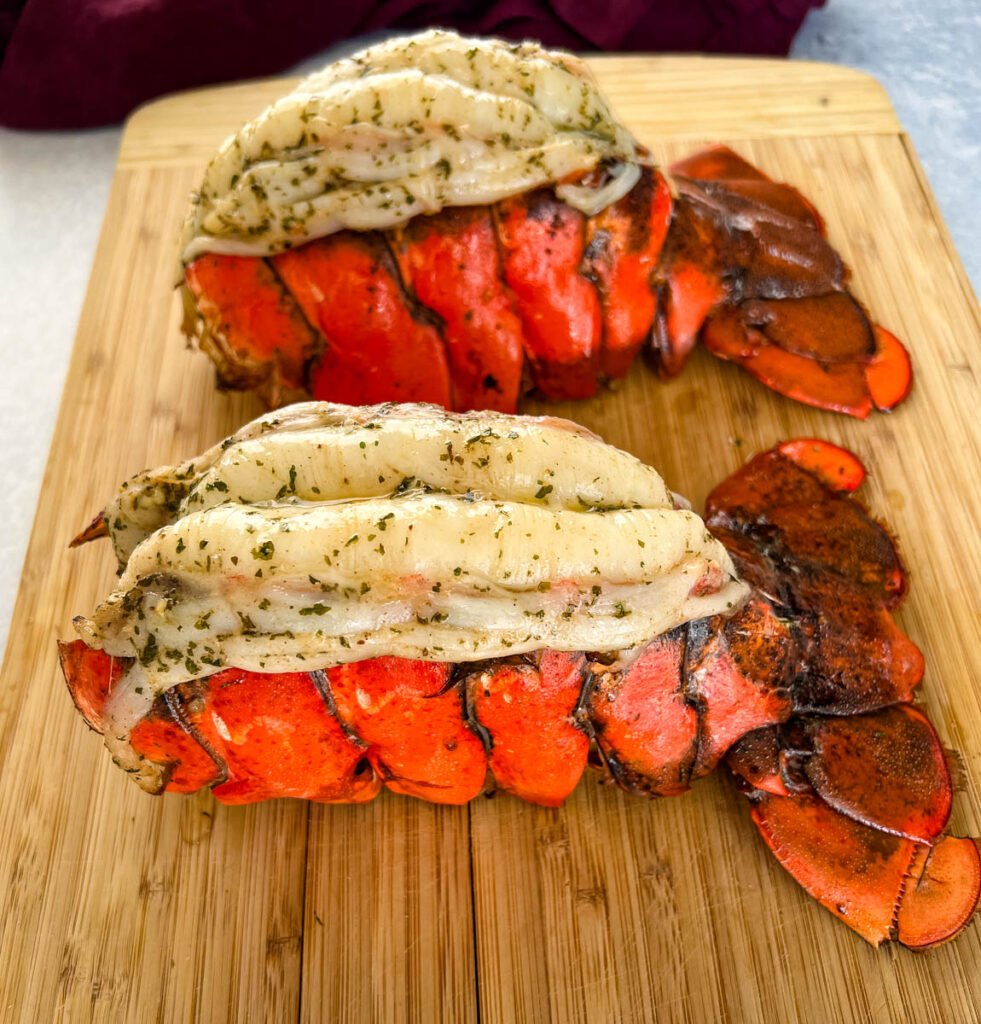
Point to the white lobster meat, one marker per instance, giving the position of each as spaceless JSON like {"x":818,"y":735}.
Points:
{"x":408,"y":127}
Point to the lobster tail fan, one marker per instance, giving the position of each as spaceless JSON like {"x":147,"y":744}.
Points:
{"x":943,"y":887}
{"x":781,"y":309}
{"x":852,"y":793}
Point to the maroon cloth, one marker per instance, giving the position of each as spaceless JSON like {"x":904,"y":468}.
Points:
{"x":79,"y":63}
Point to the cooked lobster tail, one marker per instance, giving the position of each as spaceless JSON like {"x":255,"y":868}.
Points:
{"x":465,"y":307}
{"x":805,"y":692}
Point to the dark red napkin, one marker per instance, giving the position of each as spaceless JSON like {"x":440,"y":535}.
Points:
{"x":79,"y":63}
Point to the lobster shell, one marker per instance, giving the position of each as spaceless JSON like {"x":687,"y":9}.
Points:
{"x":806,"y":694}
{"x":470,"y":307}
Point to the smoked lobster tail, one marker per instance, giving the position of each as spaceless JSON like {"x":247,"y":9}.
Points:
{"x":852,"y":792}
{"x":465,"y":307}
{"x":805,"y":692}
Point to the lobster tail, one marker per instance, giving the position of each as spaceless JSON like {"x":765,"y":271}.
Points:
{"x":467,"y":306}
{"x":805,"y":692}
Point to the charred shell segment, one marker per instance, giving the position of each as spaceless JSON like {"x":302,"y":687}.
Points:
{"x":739,"y":674}
{"x":691,"y":280}
{"x":886,"y":769}
{"x":859,"y":659}
{"x":719,"y":163}
{"x":320,"y":452}
{"x":407,"y":127}
{"x":839,"y":573}
{"x":623,"y":244}
{"x":830,"y":328}
{"x":543,"y":243}
{"x":410,"y":716}
{"x":795,"y":516}
{"x":377,"y":345}
{"x":645,"y":728}
{"x":452,"y":264}
{"x":284,"y":588}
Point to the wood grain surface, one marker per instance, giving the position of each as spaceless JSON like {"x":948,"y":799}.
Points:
{"x":120,"y":907}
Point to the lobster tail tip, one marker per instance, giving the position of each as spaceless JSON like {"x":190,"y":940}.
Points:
{"x":837,"y":467}
{"x":852,"y":870}
{"x":942,"y":893}
{"x":882,"y":886}
{"x":889,"y":376}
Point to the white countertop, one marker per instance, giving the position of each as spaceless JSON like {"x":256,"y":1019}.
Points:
{"x":53,"y":190}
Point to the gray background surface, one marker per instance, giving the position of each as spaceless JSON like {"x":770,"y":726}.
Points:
{"x":53,"y":191}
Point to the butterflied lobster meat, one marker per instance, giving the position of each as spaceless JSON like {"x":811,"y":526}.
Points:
{"x":337,"y":600}
{"x":452,"y":220}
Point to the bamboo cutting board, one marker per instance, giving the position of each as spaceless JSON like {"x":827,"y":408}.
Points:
{"x":119,"y":907}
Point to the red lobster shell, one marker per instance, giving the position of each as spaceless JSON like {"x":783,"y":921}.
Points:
{"x":469,"y":306}
{"x":806,"y":694}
